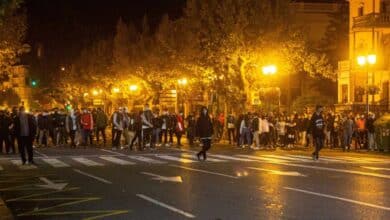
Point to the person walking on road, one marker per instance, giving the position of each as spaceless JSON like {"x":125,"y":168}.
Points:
{"x":317,"y":129}
{"x":204,"y":129}
{"x":25,"y":130}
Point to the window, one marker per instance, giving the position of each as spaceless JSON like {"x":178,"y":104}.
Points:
{"x":344,"y":93}
{"x":360,"y":11}
{"x":384,"y":7}
{"x":359,"y":93}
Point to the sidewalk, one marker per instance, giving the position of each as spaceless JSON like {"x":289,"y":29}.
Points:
{"x":5,"y":213}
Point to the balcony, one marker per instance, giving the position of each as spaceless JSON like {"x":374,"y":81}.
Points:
{"x":372,"y":20}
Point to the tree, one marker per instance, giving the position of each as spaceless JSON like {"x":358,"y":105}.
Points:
{"x":12,"y":33}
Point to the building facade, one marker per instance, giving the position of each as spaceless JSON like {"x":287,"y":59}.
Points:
{"x":369,"y":36}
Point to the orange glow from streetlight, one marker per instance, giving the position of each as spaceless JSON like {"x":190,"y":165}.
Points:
{"x":371,"y":59}
{"x":133,"y":88}
{"x":95,"y":92}
{"x":182,"y":81}
{"x":361,"y":60}
{"x":269,"y":70}
{"x":116,"y":90}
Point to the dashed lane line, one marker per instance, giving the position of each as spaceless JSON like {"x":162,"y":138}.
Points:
{"x":339,"y":198}
{"x":206,"y":171}
{"x":164,"y":205}
{"x":92,"y":176}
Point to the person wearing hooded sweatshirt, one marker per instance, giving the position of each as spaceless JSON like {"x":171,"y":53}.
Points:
{"x":317,"y":128}
{"x":71,"y":126}
{"x":204,"y":129}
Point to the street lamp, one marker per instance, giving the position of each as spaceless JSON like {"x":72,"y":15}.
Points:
{"x":95,"y":92}
{"x":116,"y":90}
{"x":271,"y":70}
{"x":182,"y":82}
{"x":367,"y":61}
{"x":133,"y":88}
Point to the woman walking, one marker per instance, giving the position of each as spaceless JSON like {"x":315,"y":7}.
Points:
{"x":204,"y":128}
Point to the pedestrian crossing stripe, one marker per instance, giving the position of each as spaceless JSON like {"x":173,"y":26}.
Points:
{"x":262,"y":158}
{"x":87,"y":162}
{"x":146,"y":159}
{"x":192,"y":156}
{"x":321,"y":158}
{"x":116,"y":160}
{"x":55,"y":162}
{"x":231,"y":158}
{"x":288,"y":158}
{"x":179,"y":159}
{"x":19,"y":164}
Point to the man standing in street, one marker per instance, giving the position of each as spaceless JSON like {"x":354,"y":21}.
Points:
{"x":25,"y":129}
{"x":371,"y":131}
{"x":204,"y":128}
{"x":317,"y":128}
{"x":101,"y":125}
{"x":117,"y":128}
{"x":147,"y":126}
{"x":4,"y":132}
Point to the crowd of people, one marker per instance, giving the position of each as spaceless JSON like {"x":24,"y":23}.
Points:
{"x":150,"y":129}
{"x":270,"y":130}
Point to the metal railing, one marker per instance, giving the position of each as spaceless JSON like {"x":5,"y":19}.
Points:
{"x":372,"y":20}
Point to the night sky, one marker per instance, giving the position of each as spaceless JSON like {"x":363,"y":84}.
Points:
{"x":64,"y":27}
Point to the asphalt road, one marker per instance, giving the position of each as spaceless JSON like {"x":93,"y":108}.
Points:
{"x":170,"y":184}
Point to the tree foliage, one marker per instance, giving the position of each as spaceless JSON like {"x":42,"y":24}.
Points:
{"x":218,"y":45}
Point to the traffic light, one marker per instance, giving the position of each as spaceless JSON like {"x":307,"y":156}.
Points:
{"x":34,"y":83}
{"x":68,"y":107}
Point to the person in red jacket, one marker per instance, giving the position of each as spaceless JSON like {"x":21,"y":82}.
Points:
{"x":86,"y":121}
{"x":179,"y":128}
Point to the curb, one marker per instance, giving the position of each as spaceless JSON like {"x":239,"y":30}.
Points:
{"x":5,"y":213}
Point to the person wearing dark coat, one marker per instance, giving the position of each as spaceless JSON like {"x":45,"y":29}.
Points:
{"x":5,"y":123}
{"x":204,"y":130}
{"x":317,"y":124}
{"x":25,"y":130}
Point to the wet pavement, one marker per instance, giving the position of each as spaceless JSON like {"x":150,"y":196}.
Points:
{"x":172,"y":184}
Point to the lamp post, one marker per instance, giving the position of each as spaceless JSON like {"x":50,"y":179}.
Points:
{"x":270,"y":70}
{"x":181,"y":83}
{"x":367,"y":61}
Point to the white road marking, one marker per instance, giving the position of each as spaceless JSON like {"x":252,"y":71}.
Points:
{"x":278,"y":172}
{"x":113,"y":152}
{"x":55,"y":162}
{"x":42,"y":154}
{"x":231,"y":158}
{"x":377,"y":168}
{"x":271,"y":160}
{"x":192,"y":156}
{"x":87,"y":162}
{"x":23,"y":167}
{"x":321,"y":158}
{"x":338,"y":170}
{"x":205,"y":171}
{"x":181,"y":160}
{"x":176,"y":179}
{"x":117,"y":160}
{"x":164,"y":205}
{"x":92,"y":176}
{"x":339,"y":198}
{"x":146,"y":159}
{"x":288,"y":158}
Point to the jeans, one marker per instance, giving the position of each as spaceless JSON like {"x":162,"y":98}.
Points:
{"x":231,"y":135}
{"x":156,"y":136}
{"x":87,"y":134}
{"x":43,"y":132}
{"x":25,"y":143}
{"x":347,"y":140}
{"x":319,"y":144}
{"x":116,"y":137}
{"x":103,"y":132}
{"x":371,"y":141}
{"x":256,"y":138}
{"x":246,"y":137}
{"x":206,"y":142}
